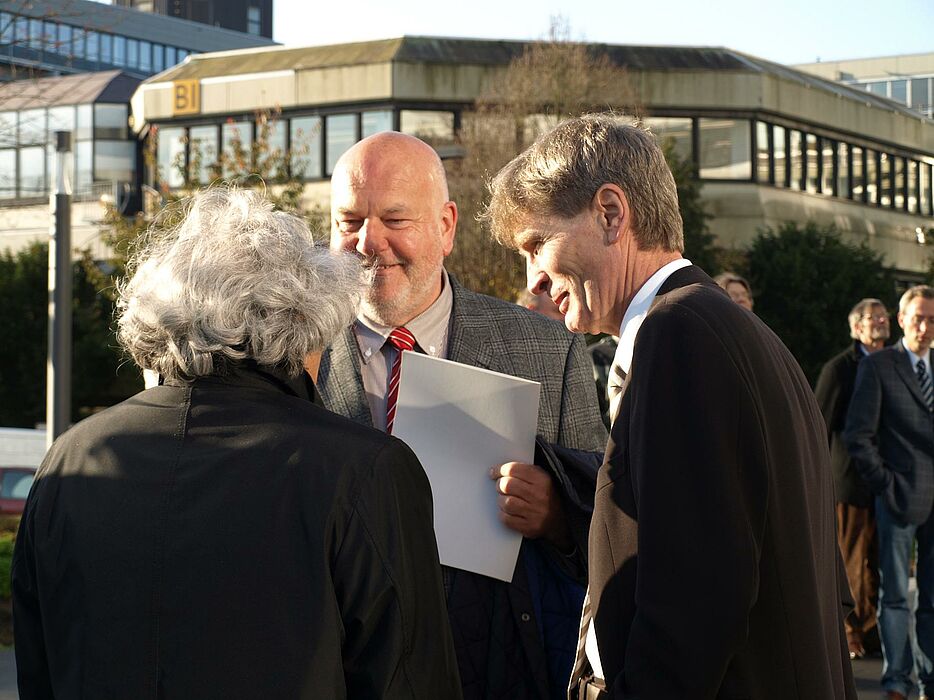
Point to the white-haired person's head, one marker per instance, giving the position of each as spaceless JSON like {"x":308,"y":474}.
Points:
{"x":233,"y":281}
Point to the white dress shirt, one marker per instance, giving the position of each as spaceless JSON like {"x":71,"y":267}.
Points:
{"x":635,"y":314}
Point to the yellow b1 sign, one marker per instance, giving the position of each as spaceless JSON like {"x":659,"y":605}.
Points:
{"x":186,"y":97}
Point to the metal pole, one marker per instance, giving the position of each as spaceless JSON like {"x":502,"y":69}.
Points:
{"x":58,"y":368}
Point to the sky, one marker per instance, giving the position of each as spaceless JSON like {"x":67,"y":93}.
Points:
{"x":785,"y":31}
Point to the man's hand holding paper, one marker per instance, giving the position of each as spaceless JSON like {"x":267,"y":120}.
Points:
{"x":529,"y":503}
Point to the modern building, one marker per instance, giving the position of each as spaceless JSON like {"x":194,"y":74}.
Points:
{"x":106,"y":156}
{"x":907,"y":79}
{"x":770,"y":143}
{"x":55,"y":37}
{"x":248,"y":16}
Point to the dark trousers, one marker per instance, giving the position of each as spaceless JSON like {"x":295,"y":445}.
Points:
{"x":856,"y":535}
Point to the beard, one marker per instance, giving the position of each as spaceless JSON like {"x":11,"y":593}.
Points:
{"x":397,"y":301}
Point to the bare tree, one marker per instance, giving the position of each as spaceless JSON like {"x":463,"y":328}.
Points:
{"x":551,"y":80}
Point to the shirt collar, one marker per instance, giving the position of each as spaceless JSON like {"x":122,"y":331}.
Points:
{"x":915,"y":358}
{"x":430,"y":327}
{"x":638,"y":309}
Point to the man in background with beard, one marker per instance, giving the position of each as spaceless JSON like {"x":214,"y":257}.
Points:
{"x":856,"y":520}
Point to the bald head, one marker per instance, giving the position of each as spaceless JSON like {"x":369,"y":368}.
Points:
{"x":390,"y":154}
{"x":389,"y":204}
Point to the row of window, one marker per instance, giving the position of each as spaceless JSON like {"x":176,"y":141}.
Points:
{"x":721,"y":148}
{"x":103,"y":148}
{"x":32,"y":127}
{"x":818,"y":164}
{"x":914,"y":92}
{"x":27,"y":172}
{"x":95,"y":47}
{"x":798,"y":160}
{"x":302,"y":146}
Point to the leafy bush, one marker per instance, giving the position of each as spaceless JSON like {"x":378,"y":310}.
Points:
{"x":805,"y":280}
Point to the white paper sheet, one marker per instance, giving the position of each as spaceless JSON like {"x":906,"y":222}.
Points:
{"x":461,"y":421}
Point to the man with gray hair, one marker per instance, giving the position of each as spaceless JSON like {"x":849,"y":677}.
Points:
{"x":222,"y":536}
{"x":868,"y":322}
{"x":890,"y":436}
{"x":714,"y":570}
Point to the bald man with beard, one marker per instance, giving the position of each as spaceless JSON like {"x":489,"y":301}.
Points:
{"x":390,"y":204}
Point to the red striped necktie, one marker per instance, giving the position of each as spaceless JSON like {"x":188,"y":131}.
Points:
{"x":403,"y":340}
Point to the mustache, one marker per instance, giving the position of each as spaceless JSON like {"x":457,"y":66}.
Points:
{"x":373,"y":261}
{"x":371,"y":264}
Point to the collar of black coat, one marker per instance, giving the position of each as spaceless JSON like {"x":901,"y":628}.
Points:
{"x":683,"y":277}
{"x":250,"y":373}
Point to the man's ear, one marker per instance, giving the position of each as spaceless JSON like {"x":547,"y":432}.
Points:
{"x":613,"y":211}
{"x":448,"y":227}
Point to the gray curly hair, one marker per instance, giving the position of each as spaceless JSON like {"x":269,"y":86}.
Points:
{"x":234,"y":280}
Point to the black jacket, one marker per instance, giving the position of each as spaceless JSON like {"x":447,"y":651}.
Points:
{"x":833,"y":391}
{"x":890,"y":434}
{"x":229,"y":539}
{"x":714,"y":567}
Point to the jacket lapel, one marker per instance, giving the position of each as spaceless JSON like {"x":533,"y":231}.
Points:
{"x":340,"y":382}
{"x":907,"y":373}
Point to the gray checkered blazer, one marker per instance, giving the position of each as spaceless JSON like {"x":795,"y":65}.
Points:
{"x":503,"y":337}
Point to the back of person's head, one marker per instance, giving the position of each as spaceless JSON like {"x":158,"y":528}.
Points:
{"x":560,"y":173}
{"x":234,"y":280}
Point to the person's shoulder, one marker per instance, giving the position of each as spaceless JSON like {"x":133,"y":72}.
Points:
{"x":841,"y":360}
{"x":518,"y":319}
{"x":886,"y":356}
{"x":699,"y":305}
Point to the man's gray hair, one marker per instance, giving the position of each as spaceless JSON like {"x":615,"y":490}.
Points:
{"x":560,"y":173}
{"x":919,"y":290}
{"x":863,"y":306}
{"x":235,"y":280}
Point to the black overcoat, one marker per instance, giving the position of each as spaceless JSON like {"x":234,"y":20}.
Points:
{"x":713,"y":560}
{"x":229,"y":539}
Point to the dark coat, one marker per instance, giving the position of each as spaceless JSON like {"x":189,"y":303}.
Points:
{"x":833,"y":391}
{"x":500,"y":642}
{"x":890,"y":434}
{"x":714,"y":568}
{"x":229,"y":539}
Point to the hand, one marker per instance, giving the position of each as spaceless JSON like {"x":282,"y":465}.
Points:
{"x":530,"y":505}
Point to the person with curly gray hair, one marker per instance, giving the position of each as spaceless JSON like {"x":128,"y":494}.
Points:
{"x":222,"y":535}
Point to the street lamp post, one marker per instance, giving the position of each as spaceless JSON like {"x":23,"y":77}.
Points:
{"x":58,"y":367}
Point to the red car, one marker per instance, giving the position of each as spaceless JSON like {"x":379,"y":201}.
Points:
{"x":14,"y":487}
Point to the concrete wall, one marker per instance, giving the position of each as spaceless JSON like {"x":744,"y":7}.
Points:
{"x":22,"y":225}
{"x":740,"y":211}
{"x":886,"y":67}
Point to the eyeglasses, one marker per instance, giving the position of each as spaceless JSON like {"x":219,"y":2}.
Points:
{"x":874,"y":317}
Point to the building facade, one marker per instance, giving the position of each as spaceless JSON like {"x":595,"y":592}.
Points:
{"x":907,"y":79}
{"x":56,"y":37}
{"x":248,"y":16}
{"x":106,"y":160}
{"x":770,"y":143}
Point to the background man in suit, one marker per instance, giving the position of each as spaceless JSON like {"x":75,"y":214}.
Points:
{"x":890,"y":435}
{"x":856,"y":520}
{"x":222,"y":536}
{"x":714,"y":569}
{"x":389,"y":204}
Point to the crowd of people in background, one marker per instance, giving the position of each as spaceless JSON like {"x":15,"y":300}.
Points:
{"x":251,"y":528}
